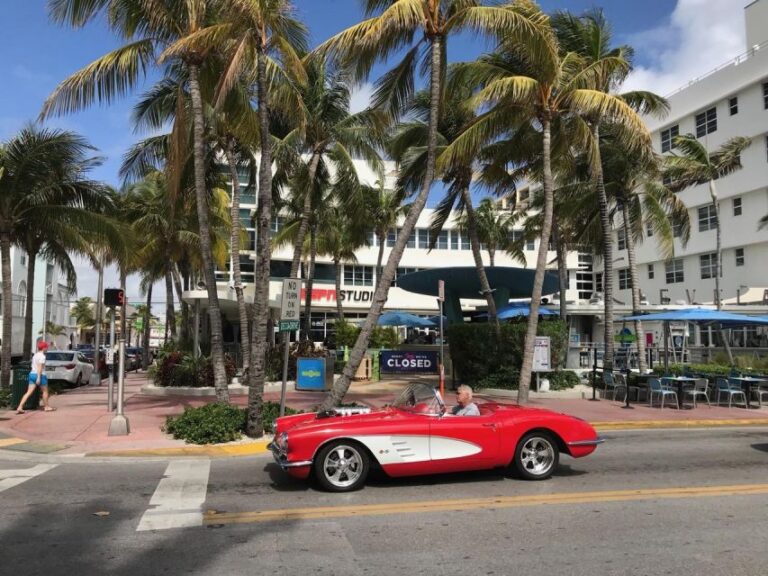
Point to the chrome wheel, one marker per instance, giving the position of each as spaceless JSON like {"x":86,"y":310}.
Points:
{"x":342,"y":467}
{"x":536,"y":457}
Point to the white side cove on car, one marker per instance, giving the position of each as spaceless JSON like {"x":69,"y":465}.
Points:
{"x":399,"y":449}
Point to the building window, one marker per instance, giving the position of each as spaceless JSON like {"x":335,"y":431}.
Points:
{"x":465,"y":243}
{"x":739,"y":256}
{"x":423,"y":238}
{"x":599,"y":282}
{"x":677,"y":229}
{"x":23,"y":259}
{"x":733,"y":105}
{"x":622,"y":239}
{"x":765,"y":95}
{"x":402,"y":272}
{"x":624,"y":283}
{"x":391,"y":238}
{"x":650,"y":272}
{"x":737,"y":206}
{"x":668,"y":137}
{"x":276,"y":225}
{"x":454,"y":240}
{"x":442,"y":240}
{"x":358,"y":275}
{"x":411,"y":239}
{"x":649,"y":229}
{"x":706,"y":122}
{"x":707,"y":218}
{"x":674,"y":271}
{"x":530,"y":245}
{"x":708,"y":264}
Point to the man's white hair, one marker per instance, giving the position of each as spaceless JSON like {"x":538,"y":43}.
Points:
{"x":465,"y":388}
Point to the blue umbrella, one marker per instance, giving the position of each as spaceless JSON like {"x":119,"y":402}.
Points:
{"x":517,"y":310}
{"x":400,"y":318}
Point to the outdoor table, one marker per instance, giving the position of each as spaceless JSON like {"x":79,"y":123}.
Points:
{"x":679,"y":381}
{"x":747,"y":382}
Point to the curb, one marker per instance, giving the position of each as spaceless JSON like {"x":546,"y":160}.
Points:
{"x":211,"y":451}
{"x":661,"y":424}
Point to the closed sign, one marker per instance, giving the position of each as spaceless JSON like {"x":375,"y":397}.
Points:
{"x":399,"y":361}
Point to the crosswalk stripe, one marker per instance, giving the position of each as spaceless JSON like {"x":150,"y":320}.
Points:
{"x":11,"y":478}
{"x":179,"y":497}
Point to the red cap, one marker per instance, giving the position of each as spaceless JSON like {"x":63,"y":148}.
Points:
{"x":42,"y":345}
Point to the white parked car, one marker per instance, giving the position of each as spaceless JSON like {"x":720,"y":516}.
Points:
{"x":68,"y":365}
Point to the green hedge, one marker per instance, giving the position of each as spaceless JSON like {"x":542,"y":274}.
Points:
{"x":480,"y":357}
{"x":216,"y":423}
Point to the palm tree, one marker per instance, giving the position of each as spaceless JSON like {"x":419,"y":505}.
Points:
{"x":157,"y":34}
{"x":393,"y":24}
{"x":82,"y":312}
{"x":408,"y":148}
{"x":530,"y":79}
{"x":590,"y":37}
{"x":694,"y":166}
{"x":385,"y":208}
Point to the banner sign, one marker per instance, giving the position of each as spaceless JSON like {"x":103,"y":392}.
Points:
{"x":310,"y":374}
{"x":541,"y":354}
{"x":404,"y":361}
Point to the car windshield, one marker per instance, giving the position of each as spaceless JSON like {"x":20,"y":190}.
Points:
{"x":420,"y":399}
{"x":58,"y":356}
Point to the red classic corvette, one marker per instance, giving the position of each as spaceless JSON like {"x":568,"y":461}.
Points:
{"x":415,"y":436}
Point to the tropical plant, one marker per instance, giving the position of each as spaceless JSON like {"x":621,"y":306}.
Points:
{"x":529,"y":79}
{"x":82,"y":312}
{"x":393,"y":25}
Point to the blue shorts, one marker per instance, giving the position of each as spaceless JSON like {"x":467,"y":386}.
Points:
{"x":33,"y":379}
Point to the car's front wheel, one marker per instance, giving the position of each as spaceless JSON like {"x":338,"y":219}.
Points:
{"x":536,"y":456}
{"x":342,"y":466}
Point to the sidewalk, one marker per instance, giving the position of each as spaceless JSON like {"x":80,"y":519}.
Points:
{"x":81,"y":420}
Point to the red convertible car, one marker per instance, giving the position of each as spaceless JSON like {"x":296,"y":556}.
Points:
{"x":415,"y":436}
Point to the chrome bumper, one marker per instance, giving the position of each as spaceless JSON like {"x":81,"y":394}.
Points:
{"x":594,"y":442}
{"x":282,"y":459}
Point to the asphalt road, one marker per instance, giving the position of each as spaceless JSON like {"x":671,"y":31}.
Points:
{"x":653,"y":502}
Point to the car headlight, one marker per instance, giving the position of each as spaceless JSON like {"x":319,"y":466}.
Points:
{"x":283,"y":442}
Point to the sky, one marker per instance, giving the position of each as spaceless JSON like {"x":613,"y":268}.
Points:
{"x":674,"y":41}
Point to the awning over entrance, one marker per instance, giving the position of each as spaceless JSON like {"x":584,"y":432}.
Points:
{"x":462,"y":282}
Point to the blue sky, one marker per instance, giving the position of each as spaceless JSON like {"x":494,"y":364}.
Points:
{"x":668,"y":36}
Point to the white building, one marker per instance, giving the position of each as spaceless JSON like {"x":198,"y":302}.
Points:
{"x":50,"y":301}
{"x":730,"y":101}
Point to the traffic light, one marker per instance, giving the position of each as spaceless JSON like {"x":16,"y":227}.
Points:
{"x":114,"y":297}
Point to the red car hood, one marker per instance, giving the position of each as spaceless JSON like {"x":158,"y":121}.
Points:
{"x":311,"y":421}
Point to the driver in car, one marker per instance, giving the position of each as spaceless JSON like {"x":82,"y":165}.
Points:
{"x":464,"y":405}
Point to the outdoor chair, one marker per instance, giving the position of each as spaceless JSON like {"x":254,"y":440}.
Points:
{"x":610,"y":385}
{"x":655,"y":388}
{"x":700,"y":388}
{"x":760,"y":392}
{"x":620,"y":383}
{"x":723,"y":387}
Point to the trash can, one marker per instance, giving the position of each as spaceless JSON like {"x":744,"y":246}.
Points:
{"x":19,"y":385}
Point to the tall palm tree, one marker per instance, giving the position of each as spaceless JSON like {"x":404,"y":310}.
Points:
{"x":408,"y":149}
{"x":694,"y":165}
{"x":590,"y":36}
{"x":385,"y":208}
{"x":41,"y":184}
{"x":82,"y":312}
{"x":494,"y":227}
{"x":157,"y":34}
{"x":393,"y":25}
{"x":530,"y":79}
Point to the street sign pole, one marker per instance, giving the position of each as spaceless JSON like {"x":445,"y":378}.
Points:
{"x":119,"y":426}
{"x":289,"y":320}
{"x":111,"y":364}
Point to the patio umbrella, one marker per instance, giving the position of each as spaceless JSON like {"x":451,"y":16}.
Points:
{"x":703,"y":316}
{"x":404,"y":319}
{"x":515,"y":311}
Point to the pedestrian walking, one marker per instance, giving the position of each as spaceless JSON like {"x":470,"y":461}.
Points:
{"x":37,"y":377}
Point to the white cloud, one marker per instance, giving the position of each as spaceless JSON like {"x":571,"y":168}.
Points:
{"x":361,"y":97}
{"x":699,"y":36}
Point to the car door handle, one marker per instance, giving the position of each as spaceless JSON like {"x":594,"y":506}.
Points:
{"x":489,"y":425}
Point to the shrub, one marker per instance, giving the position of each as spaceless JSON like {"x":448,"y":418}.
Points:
{"x":562,"y":380}
{"x":383,"y":337}
{"x":505,"y":378}
{"x":303,"y":349}
{"x":269,"y":413}
{"x":477,"y":352}
{"x":178,"y":369}
{"x":209,"y":424}
{"x":346,"y":333}
{"x":5,"y":397}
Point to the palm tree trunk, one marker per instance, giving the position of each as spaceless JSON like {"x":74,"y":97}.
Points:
{"x":27,"y":346}
{"x":635,"y":290}
{"x":541,"y":265}
{"x":5,"y":356}
{"x":170,"y":313}
{"x":339,"y":305}
{"x":562,"y":274}
{"x":147,"y":330}
{"x":382,"y":240}
{"x":477,"y":253}
{"x":602,"y":198}
{"x":185,"y":320}
{"x":341,"y":386}
{"x":245,"y":336}
{"x":305,"y":214}
{"x":310,"y":282}
{"x":492,"y":257}
{"x":201,"y":195}
{"x":718,"y":266}
{"x":254,"y":426}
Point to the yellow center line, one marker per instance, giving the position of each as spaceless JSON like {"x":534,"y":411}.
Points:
{"x":11,"y":442}
{"x":213,"y":517}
